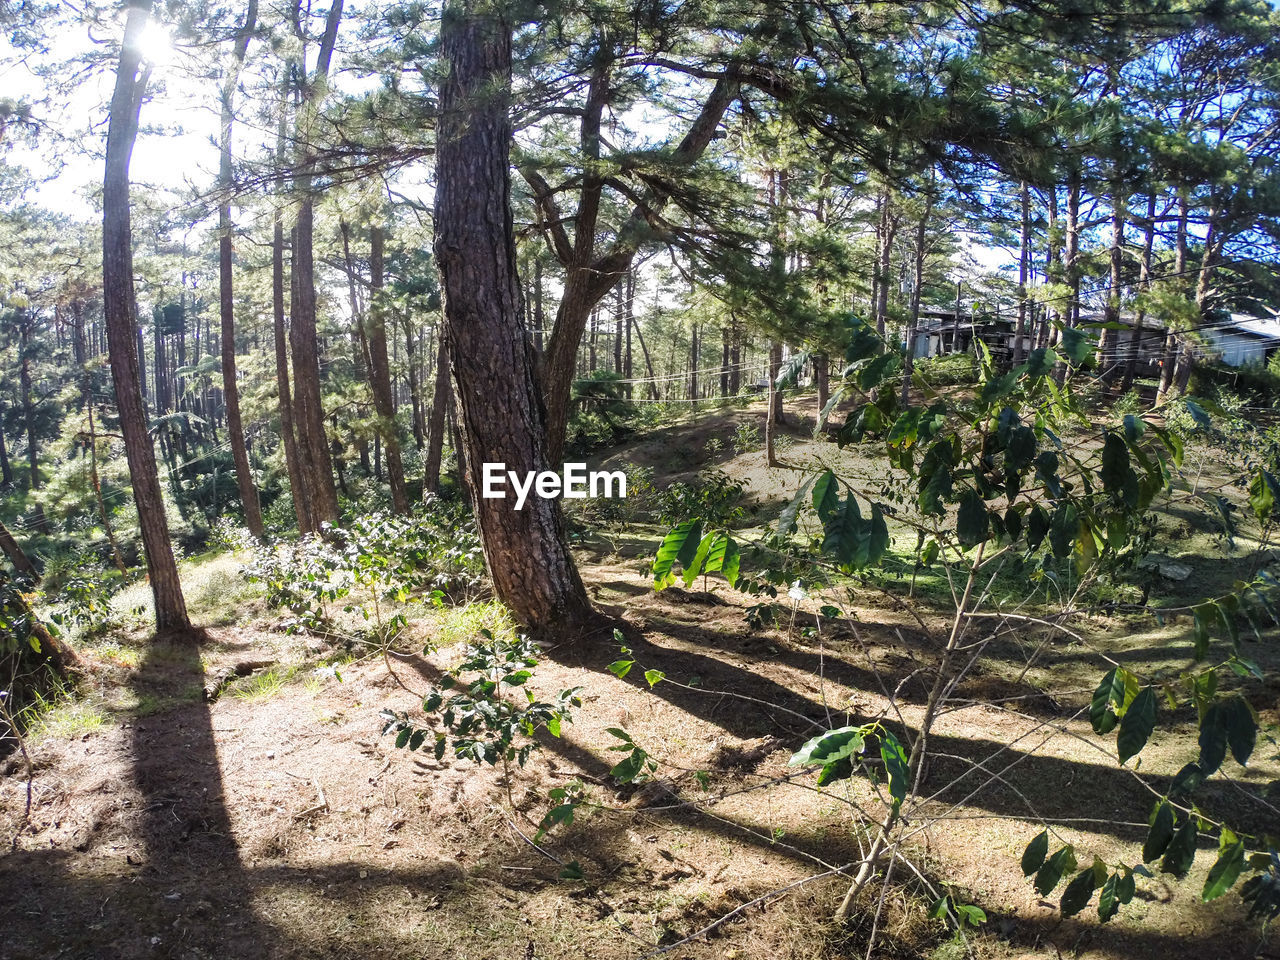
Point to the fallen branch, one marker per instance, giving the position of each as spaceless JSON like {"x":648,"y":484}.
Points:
{"x":213,"y":689}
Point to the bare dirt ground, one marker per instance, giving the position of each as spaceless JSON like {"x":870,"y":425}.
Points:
{"x":278,"y":822}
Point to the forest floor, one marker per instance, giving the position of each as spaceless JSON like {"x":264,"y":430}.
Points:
{"x":276,"y":821}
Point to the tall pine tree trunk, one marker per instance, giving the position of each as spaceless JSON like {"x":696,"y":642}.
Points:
{"x":284,"y":398}
{"x":120,"y":308}
{"x":380,"y":372}
{"x":315,"y":462}
{"x":439,"y":416}
{"x":501,"y":410}
{"x":1144,"y":284}
{"x":230,"y":388}
{"x":1024,"y":271}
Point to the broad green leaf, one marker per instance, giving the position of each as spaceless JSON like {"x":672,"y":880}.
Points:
{"x":630,"y":767}
{"x":1136,"y":725}
{"x":731,"y":562}
{"x":877,"y":535}
{"x":1160,"y":832}
{"x":847,"y":536}
{"x":1186,"y":780}
{"x":1115,"y":464}
{"x":972,"y":520}
{"x":935,"y":488}
{"x":1110,"y":694}
{"x":787,"y":519}
{"x":895,"y":764}
{"x":826,"y":495}
{"x":841,"y":769}
{"x":1126,"y":887}
{"x":715,"y":556}
{"x":905,"y":429}
{"x":1264,"y":491}
{"x":1197,"y":413}
{"x":1051,"y":873}
{"x":1203,"y":616}
{"x":620,"y":668}
{"x":791,"y":370}
{"x":1037,"y":526}
{"x":1075,"y":345}
{"x":1041,"y":361}
{"x":1225,"y":870}
{"x":689,"y":547}
{"x":673,"y":548}
{"x":878,"y":369}
{"x":830,"y":746}
{"x":1108,"y":905}
{"x":654,"y":677}
{"x":694,"y":566}
{"x":1213,"y":738}
{"x":1079,"y":892}
{"x":562,"y":814}
{"x":836,"y":396}
{"x":1033,"y":856}
{"x":1181,"y":851}
{"x":1226,"y":723}
{"x":1242,"y":730}
{"x":1021,"y":448}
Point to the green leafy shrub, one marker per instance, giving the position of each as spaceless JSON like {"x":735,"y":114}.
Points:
{"x":383,"y":558}
{"x":949,"y":370}
{"x":481,"y":723}
{"x":711,"y":494}
{"x":747,"y":438}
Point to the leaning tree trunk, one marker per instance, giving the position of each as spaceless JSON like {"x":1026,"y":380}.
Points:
{"x":120,"y":309}
{"x":226,"y":301}
{"x":17,"y":556}
{"x":503,"y":420}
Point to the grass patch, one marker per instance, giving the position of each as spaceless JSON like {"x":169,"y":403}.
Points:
{"x":113,"y":651}
{"x":216,"y":594}
{"x":263,"y":685}
{"x":68,"y":720}
{"x":149,"y":704}
{"x":463,"y":624}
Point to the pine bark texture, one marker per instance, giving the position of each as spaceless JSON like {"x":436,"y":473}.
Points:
{"x":315,"y":463}
{"x":380,"y":373}
{"x":502,"y":416}
{"x":120,"y":309}
{"x":226,"y":299}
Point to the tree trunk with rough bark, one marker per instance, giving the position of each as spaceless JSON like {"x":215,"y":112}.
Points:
{"x":502,"y":418}
{"x":120,"y":309}
{"x":226,"y":300}
{"x":315,"y":462}
{"x":380,"y":371}
{"x":439,"y":417}
{"x":17,"y":556}
{"x":589,"y":275}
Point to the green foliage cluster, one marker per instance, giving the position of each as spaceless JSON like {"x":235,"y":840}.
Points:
{"x":711,"y":494}
{"x":375,"y":560}
{"x":948,"y":370}
{"x":479,"y":723}
{"x":985,"y":481}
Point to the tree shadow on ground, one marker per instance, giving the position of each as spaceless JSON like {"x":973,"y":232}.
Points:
{"x":1009,"y":779}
